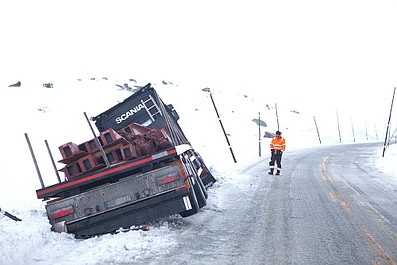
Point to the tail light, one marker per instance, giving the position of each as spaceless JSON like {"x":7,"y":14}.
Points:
{"x":62,"y":212}
{"x":167,"y":178}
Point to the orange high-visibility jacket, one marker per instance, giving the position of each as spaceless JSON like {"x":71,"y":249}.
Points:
{"x":277,"y":143}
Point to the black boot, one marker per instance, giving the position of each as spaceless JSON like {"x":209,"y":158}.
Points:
{"x":278,"y":172}
{"x":270,"y":172}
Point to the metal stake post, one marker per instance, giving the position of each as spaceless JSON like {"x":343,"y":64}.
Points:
{"x":97,"y":142}
{"x":52,"y":160}
{"x":34,"y":160}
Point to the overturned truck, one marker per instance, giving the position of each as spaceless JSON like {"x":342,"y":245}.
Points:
{"x":139,"y":168}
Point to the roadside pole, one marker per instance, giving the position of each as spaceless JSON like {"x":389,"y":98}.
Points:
{"x":388,"y":123}
{"x":223,"y":129}
{"x":278,"y":125}
{"x":259,"y":125}
{"x":318,"y":133}
{"x":376,"y":132}
{"x":337,"y":120}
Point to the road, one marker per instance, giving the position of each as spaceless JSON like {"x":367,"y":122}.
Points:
{"x":329,"y":206}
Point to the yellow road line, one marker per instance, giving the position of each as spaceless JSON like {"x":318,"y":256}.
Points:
{"x":327,"y":178}
{"x":338,"y":197}
{"x":323,"y":166}
{"x":335,"y":198}
{"x":344,"y":204}
{"x":380,"y":250}
{"x":332,"y":197}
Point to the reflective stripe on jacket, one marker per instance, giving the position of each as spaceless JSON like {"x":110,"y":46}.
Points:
{"x":277,"y":143}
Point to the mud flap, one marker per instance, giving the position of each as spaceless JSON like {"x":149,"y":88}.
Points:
{"x":207,"y":178}
{"x":193,"y":202}
{"x":200,"y":194}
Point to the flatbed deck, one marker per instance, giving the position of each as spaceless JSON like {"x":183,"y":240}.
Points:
{"x":105,"y":175}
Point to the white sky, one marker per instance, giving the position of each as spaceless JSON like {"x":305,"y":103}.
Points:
{"x":338,"y":54}
{"x":323,"y":55}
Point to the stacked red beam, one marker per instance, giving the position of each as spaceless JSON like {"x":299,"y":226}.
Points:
{"x":129,"y":142}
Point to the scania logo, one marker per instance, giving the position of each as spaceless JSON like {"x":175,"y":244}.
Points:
{"x":129,"y":113}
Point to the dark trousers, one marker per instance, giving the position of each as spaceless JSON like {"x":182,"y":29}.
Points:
{"x":275,"y":160}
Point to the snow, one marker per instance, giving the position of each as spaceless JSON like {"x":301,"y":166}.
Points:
{"x":56,"y":114}
{"x":386,"y":164}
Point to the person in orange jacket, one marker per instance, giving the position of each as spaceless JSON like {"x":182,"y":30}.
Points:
{"x":277,"y":147}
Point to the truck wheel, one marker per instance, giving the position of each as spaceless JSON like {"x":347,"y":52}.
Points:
{"x":193,"y":202}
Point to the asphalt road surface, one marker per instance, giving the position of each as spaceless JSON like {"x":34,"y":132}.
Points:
{"x":329,"y":206}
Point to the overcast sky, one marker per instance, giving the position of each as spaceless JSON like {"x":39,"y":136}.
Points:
{"x":331,"y":52}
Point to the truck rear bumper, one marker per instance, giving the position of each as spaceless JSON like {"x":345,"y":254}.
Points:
{"x":132,"y":214}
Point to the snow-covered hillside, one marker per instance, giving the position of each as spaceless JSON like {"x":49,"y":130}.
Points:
{"x":56,"y":115}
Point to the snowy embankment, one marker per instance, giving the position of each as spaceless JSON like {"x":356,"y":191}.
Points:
{"x":55,"y":114}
